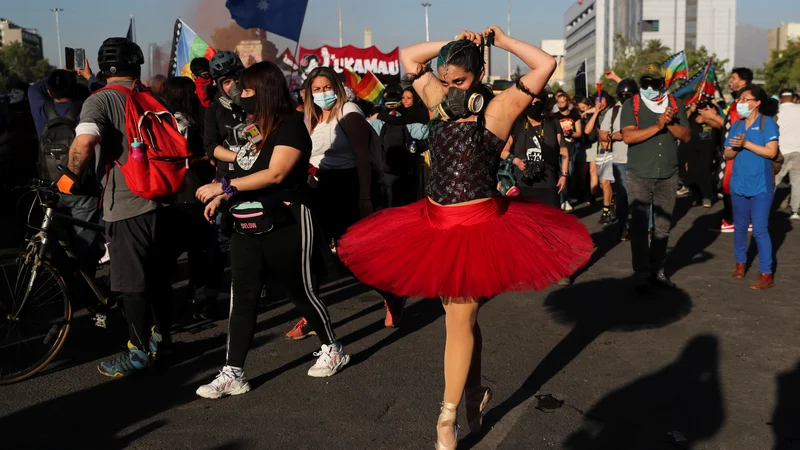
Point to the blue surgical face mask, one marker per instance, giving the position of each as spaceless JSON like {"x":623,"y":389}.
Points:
{"x":325,"y":100}
{"x":650,"y":94}
{"x":744,"y":110}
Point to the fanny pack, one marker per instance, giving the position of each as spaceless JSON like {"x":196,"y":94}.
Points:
{"x":250,"y":218}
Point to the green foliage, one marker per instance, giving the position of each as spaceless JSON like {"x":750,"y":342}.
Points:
{"x":698,"y":58}
{"x":632,"y":57}
{"x":783,"y":70}
{"x":19,"y":64}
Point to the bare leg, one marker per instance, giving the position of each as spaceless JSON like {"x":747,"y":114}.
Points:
{"x":474,"y":375}
{"x":607,"y":192}
{"x":593,"y":180}
{"x":460,"y":320}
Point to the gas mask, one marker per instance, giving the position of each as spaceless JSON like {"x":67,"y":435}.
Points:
{"x":235,"y":94}
{"x":459,"y":103}
{"x":16,"y":96}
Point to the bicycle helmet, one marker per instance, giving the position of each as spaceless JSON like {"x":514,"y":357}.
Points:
{"x":118,"y":54}
{"x":627,"y":87}
{"x":224,"y":64}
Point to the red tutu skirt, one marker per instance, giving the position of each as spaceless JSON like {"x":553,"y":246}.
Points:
{"x":473,"y":251}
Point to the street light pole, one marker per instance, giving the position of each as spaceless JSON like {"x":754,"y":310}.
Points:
{"x":426,"y":5}
{"x":341,"y":41}
{"x":509,"y":35}
{"x":58,"y":37}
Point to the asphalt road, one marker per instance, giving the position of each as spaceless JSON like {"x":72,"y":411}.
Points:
{"x":711,"y":365}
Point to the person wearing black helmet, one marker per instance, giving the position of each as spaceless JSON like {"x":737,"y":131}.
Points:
{"x":221,"y":141}
{"x":610,"y":132}
{"x":138,"y":230}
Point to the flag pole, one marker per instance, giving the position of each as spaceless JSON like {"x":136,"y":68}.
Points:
{"x":133,"y":27}
{"x":297,"y":47}
{"x":586,"y":75}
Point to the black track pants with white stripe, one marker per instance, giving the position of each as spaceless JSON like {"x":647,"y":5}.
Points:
{"x":282,"y":257}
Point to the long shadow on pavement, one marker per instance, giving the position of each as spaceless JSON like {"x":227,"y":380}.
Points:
{"x":593,"y":308}
{"x":779,"y":226}
{"x":786,"y":417}
{"x":677,"y":407}
{"x":690,"y":249}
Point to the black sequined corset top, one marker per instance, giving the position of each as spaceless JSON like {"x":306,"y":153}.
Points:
{"x":464,"y":163}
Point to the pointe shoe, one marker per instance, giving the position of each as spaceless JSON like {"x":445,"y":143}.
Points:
{"x":447,"y":419}
{"x":475,"y":401}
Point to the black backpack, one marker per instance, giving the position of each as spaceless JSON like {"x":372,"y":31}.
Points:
{"x":396,"y":140}
{"x":56,"y":139}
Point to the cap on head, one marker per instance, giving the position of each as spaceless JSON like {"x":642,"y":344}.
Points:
{"x":787,"y":93}
{"x":119,"y":55}
{"x":653,"y":70}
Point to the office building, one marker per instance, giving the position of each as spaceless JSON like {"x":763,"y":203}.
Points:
{"x":590,"y":27}
{"x":691,"y":24}
{"x":555,"y":47}
{"x":779,"y":37}
{"x":11,"y":32}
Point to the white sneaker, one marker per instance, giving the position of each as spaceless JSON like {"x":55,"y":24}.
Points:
{"x":795,"y":216}
{"x":566,"y":206}
{"x":683,"y":191}
{"x":225,"y":384}
{"x":331,"y":359}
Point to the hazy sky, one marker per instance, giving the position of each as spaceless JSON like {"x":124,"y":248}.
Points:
{"x":85,"y":23}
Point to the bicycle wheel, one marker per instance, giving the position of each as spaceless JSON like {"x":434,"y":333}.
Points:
{"x":30,"y":337}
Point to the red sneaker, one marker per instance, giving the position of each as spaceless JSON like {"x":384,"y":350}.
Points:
{"x":726,"y":227}
{"x":394,"y":312}
{"x":300,"y":331}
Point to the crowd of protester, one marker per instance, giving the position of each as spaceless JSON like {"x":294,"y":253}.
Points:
{"x":275,"y":179}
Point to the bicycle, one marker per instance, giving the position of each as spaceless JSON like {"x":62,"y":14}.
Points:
{"x":36,"y":310}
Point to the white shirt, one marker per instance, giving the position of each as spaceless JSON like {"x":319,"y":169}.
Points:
{"x":789,"y":123}
{"x":331,"y":147}
{"x":619,"y":148}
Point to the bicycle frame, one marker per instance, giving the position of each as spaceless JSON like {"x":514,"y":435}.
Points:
{"x":38,"y":250}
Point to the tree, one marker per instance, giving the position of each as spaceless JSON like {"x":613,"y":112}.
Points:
{"x":19,"y":64}
{"x":697,"y":59}
{"x":783,"y":69}
{"x":631,"y":57}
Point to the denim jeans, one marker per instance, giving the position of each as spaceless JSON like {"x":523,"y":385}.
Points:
{"x":644,"y":195}
{"x":755,"y":210}
{"x":564,"y":196}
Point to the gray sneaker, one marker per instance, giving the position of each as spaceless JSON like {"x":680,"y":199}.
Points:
{"x":795,"y":216}
{"x":706,"y":203}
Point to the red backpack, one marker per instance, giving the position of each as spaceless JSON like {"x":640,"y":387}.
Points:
{"x":158,"y":170}
{"x":637,"y":100}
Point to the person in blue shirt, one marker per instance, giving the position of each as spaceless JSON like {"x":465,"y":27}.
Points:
{"x":753,"y":143}
{"x":60,"y":88}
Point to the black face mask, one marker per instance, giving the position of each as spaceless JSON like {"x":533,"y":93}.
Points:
{"x":535,"y":110}
{"x":248,"y":104}
{"x":563,"y":109}
{"x":459,"y":103}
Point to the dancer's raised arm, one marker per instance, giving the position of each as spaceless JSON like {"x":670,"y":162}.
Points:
{"x":504,"y":109}
{"x":416,"y":62}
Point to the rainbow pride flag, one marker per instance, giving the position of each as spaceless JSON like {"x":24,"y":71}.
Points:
{"x":677,"y":68}
{"x":186,"y":46}
{"x":367,"y":88}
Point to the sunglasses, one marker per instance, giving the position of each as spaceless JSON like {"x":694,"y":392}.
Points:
{"x":652,"y":83}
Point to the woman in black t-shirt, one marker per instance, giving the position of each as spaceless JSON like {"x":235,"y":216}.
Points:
{"x":275,"y":230}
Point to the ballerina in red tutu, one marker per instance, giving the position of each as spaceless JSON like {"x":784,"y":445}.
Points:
{"x":465,"y":243}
